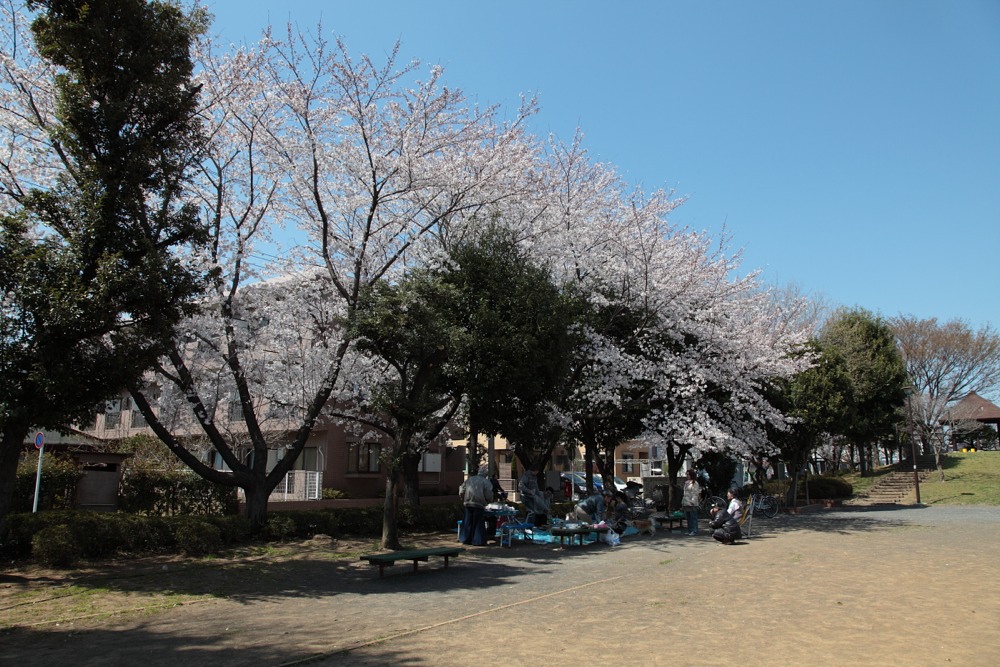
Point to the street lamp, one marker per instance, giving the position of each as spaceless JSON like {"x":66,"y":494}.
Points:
{"x":913,"y":441}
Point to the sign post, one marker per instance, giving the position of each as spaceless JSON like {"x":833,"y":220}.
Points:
{"x":40,"y":446}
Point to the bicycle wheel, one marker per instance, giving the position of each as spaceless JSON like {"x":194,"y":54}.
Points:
{"x":768,"y":506}
{"x":707,"y":503}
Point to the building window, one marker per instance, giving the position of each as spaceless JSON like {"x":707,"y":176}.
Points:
{"x":363,"y":457}
{"x":113,"y":414}
{"x":627,"y":465}
{"x":235,"y":408}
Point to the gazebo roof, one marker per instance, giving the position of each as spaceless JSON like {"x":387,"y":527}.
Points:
{"x":974,"y":406}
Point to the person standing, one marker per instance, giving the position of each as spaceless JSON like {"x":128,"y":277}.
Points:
{"x":476,"y":493}
{"x":500,"y":496}
{"x":690,"y":501}
{"x":531,"y":494}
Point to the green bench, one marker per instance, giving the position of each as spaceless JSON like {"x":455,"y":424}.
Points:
{"x":670,"y":519}
{"x":416,"y":555}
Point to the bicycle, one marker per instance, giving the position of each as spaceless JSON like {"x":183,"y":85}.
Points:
{"x":766,"y":505}
{"x":709,"y":500}
{"x":638,"y":508}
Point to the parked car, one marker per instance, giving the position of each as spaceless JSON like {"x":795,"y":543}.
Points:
{"x":578,"y":483}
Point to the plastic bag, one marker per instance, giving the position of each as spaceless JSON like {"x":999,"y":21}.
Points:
{"x":612,"y":538}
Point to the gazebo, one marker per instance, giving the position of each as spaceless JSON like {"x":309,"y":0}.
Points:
{"x":974,"y":407}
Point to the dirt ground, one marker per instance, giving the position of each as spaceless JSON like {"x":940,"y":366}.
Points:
{"x":899,"y":586}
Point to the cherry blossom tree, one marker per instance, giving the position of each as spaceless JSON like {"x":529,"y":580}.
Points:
{"x":328,"y":175}
{"x":707,"y":340}
{"x":369,"y":163}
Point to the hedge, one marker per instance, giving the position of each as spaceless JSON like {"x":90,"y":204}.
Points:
{"x":57,"y":490}
{"x":61,"y":537}
{"x":173,"y":493}
{"x":829,"y":487}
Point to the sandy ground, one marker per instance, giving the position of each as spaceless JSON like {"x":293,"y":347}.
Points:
{"x":901,"y":586}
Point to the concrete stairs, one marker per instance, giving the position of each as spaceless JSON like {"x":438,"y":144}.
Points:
{"x":897,"y":486}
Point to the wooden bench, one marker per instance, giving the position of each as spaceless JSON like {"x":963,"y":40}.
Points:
{"x":416,"y":555}
{"x":669,"y":519}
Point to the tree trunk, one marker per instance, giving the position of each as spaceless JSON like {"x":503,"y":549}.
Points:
{"x":411,"y":479}
{"x":674,"y":460}
{"x":473,"y":460}
{"x":256,"y":499}
{"x":795,"y":465}
{"x":588,"y":466}
{"x":14,"y":435}
{"x":390,"y":525}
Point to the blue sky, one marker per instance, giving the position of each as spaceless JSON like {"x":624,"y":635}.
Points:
{"x":851,"y":148}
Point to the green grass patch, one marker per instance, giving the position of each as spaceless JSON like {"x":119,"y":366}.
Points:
{"x":971,"y":478}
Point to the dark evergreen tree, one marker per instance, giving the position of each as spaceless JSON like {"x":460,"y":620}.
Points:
{"x":518,"y":340}
{"x":91,"y":282}
{"x":877,"y":373}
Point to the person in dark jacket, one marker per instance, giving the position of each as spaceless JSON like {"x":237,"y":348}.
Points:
{"x":499,"y":494}
{"x":592,"y":508}
{"x":725,"y":528}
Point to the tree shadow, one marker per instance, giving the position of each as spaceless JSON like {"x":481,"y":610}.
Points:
{"x":841,"y":520}
{"x":58,"y":646}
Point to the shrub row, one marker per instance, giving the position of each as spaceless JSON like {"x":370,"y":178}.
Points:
{"x":829,"y":487}
{"x":825,"y":487}
{"x":173,"y":493}
{"x":60,"y":538}
{"x":58,"y":489}
{"x":142,"y":491}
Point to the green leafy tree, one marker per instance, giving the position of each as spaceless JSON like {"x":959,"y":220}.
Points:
{"x":90,"y":280}
{"x":517,"y":345}
{"x":410,"y":331}
{"x":867,"y":346}
{"x":817,"y":401}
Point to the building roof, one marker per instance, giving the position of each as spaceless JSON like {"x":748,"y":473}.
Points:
{"x":974,"y":406}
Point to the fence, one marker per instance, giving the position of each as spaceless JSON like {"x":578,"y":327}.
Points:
{"x":299,"y":485}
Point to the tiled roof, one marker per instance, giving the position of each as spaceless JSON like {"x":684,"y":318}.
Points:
{"x":974,"y":406}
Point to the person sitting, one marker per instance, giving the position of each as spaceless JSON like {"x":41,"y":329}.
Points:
{"x":591,"y":509}
{"x":618,"y":513}
{"x":725,"y":528}
{"x":735,"y":508}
